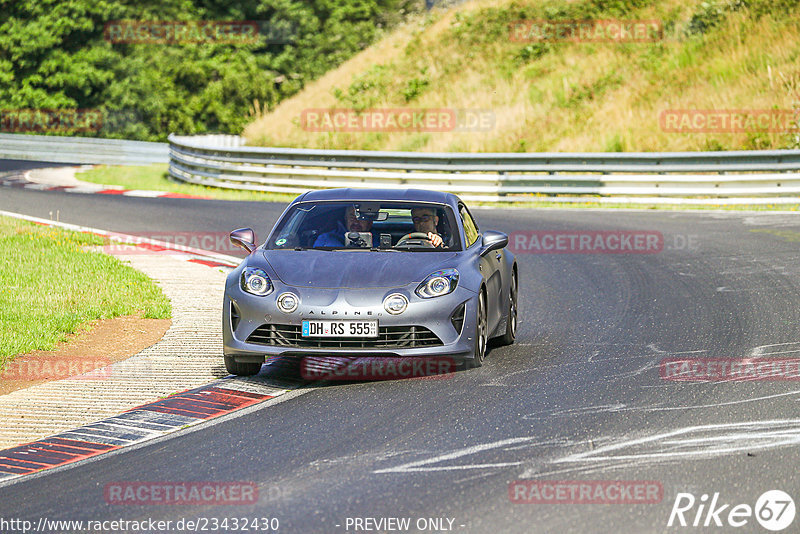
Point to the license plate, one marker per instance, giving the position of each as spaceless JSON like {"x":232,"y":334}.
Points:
{"x":340,"y":329}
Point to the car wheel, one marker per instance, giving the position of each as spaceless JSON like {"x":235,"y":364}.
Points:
{"x":241,"y":368}
{"x":511,"y":324}
{"x":481,"y":335}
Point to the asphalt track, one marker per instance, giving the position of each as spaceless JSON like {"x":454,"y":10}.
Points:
{"x":579,"y":397}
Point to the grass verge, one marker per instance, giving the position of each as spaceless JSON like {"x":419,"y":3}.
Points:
{"x":636,"y":206}
{"x":50,"y":286}
{"x":155,"y":178}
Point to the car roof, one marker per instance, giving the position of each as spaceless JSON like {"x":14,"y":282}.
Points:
{"x":411,"y":195}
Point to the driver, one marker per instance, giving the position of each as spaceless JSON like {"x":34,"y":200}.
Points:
{"x":425,"y":221}
{"x":351,"y":223}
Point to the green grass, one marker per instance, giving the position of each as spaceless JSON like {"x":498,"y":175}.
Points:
{"x":155,"y":178}
{"x":624,"y":205}
{"x":50,"y":286}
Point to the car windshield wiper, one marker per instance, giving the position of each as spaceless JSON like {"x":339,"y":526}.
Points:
{"x":371,"y":249}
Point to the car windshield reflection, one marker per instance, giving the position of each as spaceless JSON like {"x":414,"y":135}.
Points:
{"x":368,"y":226}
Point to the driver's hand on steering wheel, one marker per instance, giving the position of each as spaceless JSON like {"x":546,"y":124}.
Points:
{"x":435,"y":239}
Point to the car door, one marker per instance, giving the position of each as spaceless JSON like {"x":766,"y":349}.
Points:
{"x":490,"y":267}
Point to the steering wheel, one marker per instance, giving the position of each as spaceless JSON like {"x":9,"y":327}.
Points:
{"x":422,"y":237}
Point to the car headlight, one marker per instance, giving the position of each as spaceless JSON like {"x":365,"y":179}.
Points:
{"x":288,"y":302}
{"x":395,"y":303}
{"x":256,"y":282}
{"x":438,"y":284}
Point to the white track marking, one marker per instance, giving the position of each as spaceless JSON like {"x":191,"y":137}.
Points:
{"x":762,"y":434}
{"x":419,"y":464}
{"x":615,"y":408}
{"x":758,"y":352}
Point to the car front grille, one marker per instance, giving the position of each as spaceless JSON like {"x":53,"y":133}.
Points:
{"x":389,"y":337}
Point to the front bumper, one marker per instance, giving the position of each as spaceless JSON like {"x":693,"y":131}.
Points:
{"x":243,"y":313}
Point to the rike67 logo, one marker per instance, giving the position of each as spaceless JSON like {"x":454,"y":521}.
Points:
{"x":774,"y":510}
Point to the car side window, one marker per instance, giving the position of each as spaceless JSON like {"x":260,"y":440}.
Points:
{"x":470,"y":228}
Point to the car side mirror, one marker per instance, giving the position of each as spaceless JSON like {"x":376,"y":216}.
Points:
{"x":244,"y":238}
{"x":492,"y":241}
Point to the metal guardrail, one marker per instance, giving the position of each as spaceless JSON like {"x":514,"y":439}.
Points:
{"x":81,"y":150}
{"x":225,"y":161}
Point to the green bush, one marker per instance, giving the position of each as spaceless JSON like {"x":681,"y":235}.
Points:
{"x":53,"y":55}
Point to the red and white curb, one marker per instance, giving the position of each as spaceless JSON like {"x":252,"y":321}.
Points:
{"x":141,"y":424}
{"x":22,"y":182}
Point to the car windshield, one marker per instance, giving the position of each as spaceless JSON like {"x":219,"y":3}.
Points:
{"x":369,"y":225}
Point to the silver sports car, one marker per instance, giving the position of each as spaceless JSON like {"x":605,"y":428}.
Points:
{"x":370,"y":272}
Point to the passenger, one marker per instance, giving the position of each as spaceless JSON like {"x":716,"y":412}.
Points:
{"x":335,"y":238}
{"x":426,"y":221}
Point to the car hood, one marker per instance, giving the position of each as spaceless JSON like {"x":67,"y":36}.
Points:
{"x":354,"y":269}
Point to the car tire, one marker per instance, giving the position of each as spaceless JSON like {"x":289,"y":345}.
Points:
{"x":511,"y":323}
{"x":241,"y":368}
{"x":481,"y":335}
